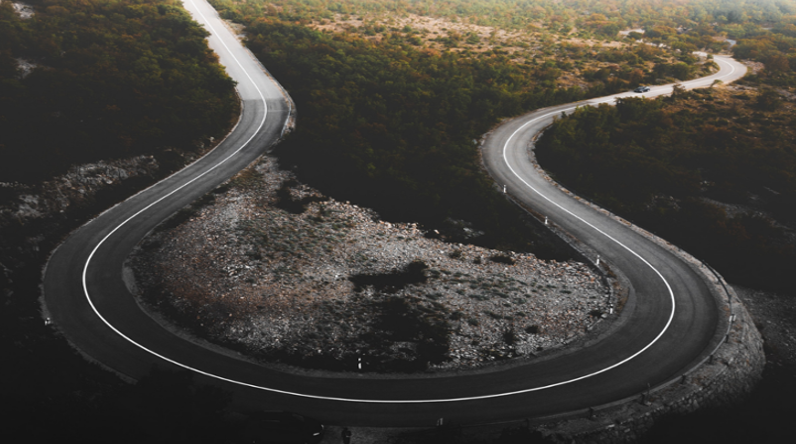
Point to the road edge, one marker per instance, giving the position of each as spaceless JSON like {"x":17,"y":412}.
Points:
{"x":726,"y":372}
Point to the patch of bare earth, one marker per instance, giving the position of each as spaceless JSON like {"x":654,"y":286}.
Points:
{"x":279,"y":271}
{"x":456,"y":36}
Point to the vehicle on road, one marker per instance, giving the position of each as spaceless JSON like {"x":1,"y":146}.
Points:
{"x":281,"y":427}
{"x":642,"y":89}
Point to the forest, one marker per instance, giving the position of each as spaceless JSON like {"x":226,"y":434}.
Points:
{"x":605,"y":17}
{"x":394,"y":125}
{"x":390,"y":111}
{"x":394,"y":128}
{"x":710,"y":171}
{"x":777,"y":51}
{"x":105,"y":79}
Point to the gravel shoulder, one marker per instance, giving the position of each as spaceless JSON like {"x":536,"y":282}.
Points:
{"x":272,"y":268}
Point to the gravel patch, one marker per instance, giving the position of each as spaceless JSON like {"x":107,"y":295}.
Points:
{"x":273,"y":268}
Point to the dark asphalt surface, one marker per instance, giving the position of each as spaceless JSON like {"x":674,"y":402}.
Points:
{"x":136,"y":342}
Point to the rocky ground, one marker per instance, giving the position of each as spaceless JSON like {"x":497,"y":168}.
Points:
{"x":269,"y":266}
{"x":775,"y":317}
{"x":25,"y":203}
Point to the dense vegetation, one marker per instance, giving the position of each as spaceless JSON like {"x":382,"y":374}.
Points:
{"x":708,"y":170}
{"x":698,"y":168}
{"x":777,"y":50}
{"x":112,"y":78}
{"x":602,"y":17}
{"x":394,"y":126}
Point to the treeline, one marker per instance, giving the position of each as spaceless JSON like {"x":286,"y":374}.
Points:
{"x":602,"y":17}
{"x":111,"y":78}
{"x":703,"y":172}
{"x":687,"y":25}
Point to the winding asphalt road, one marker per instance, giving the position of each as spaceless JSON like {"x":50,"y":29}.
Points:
{"x":669,"y":325}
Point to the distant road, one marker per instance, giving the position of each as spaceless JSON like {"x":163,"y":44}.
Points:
{"x":670,"y":323}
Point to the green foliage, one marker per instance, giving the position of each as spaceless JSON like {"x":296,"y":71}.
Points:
{"x":394,"y":128}
{"x":600,"y":17}
{"x":776,"y":51}
{"x":657,"y":166}
{"x":114,"y":78}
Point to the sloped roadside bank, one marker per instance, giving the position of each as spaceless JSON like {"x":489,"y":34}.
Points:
{"x":727,"y":378}
{"x":273,"y":268}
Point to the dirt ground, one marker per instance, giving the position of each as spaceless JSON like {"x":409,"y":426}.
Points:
{"x":325,"y":283}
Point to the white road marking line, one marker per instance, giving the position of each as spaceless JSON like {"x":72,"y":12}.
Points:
{"x":668,"y":287}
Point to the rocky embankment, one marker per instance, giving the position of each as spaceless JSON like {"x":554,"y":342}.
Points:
{"x":269,"y":266}
{"x":78,"y":187}
{"x":724,"y":379}
{"x":33,"y":217}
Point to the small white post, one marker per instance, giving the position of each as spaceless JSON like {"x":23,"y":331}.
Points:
{"x":545,"y":220}
{"x":504,"y":189}
{"x":359,"y":363}
{"x":598,"y":260}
